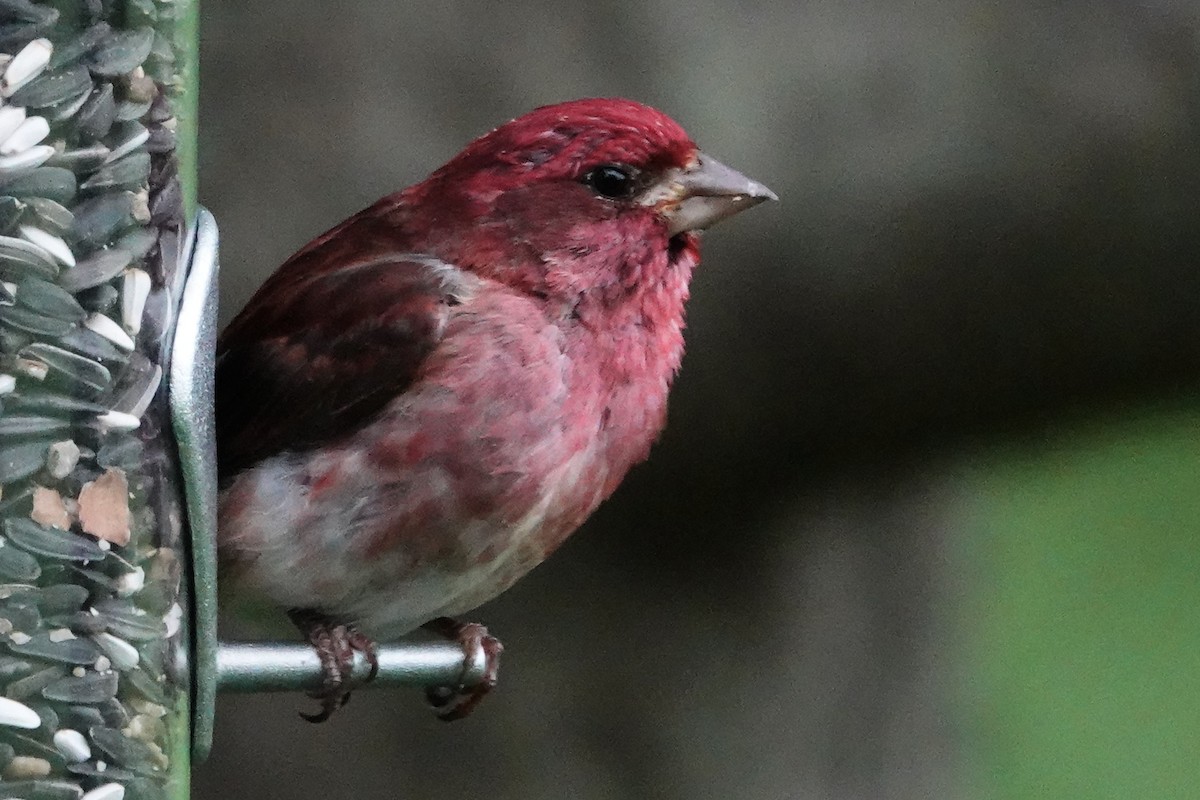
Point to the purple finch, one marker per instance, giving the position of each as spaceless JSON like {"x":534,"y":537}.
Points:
{"x":421,"y":404}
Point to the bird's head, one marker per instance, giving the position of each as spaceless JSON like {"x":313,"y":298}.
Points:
{"x":585,"y":195}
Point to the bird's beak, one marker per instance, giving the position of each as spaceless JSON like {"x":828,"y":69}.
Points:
{"x":704,"y":193}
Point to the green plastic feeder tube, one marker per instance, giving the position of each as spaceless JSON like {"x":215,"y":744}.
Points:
{"x":97,"y":180}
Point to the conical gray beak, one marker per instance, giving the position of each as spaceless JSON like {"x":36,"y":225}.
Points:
{"x":708,"y":192}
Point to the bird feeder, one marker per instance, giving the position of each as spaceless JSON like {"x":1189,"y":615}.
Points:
{"x":109,"y":658}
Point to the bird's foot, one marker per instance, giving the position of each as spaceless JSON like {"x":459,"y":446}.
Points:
{"x":335,"y":644}
{"x":456,"y":702}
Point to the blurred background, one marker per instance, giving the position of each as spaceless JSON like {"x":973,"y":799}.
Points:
{"x":923,"y":521}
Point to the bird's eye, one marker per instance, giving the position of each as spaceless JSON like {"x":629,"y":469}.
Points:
{"x":612,"y":180}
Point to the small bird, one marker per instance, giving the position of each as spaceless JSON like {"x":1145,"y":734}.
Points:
{"x":422,"y":403}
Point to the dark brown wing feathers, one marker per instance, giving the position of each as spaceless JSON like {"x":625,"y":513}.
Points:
{"x":321,"y":353}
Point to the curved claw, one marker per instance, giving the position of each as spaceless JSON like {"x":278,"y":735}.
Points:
{"x":335,"y":644}
{"x":456,"y":702}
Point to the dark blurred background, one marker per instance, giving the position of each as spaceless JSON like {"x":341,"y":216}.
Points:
{"x":987,"y":226}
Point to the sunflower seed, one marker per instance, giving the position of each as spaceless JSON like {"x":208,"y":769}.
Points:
{"x":89,"y":343}
{"x":129,"y":172}
{"x":54,"y":405}
{"x":50,"y":543}
{"x":75,"y":372}
{"x":16,"y":565}
{"x":31,"y":686}
{"x":26,"y":159}
{"x":26,"y":65}
{"x":118,"y":421}
{"x":109,"y":330}
{"x":99,"y":218}
{"x":49,"y":215}
{"x":55,"y":183}
{"x":135,"y":288}
{"x":17,"y":715}
{"x":72,"y":744}
{"x":94,"y":270}
{"x":121,"y":52}
{"x":124,"y":751}
{"x":53,"y":245}
{"x":127,"y":621}
{"x":74,"y":49}
{"x":20,"y":425}
{"x":15,"y":266}
{"x":97,"y":114}
{"x":51,"y":88}
{"x":27,"y":134}
{"x":49,"y":299}
{"x":72,"y":651}
{"x":19,"y":461}
{"x":92,"y":687}
{"x":28,"y":321}
{"x":61,"y":598}
{"x":124,"y":656}
{"x":25,"y":252}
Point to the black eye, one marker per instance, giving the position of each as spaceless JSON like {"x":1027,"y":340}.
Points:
{"x":612,"y":180}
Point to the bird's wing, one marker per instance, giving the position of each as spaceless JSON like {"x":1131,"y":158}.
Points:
{"x":317,"y":353}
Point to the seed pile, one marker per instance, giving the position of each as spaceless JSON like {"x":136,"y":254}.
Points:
{"x":90,"y":566}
